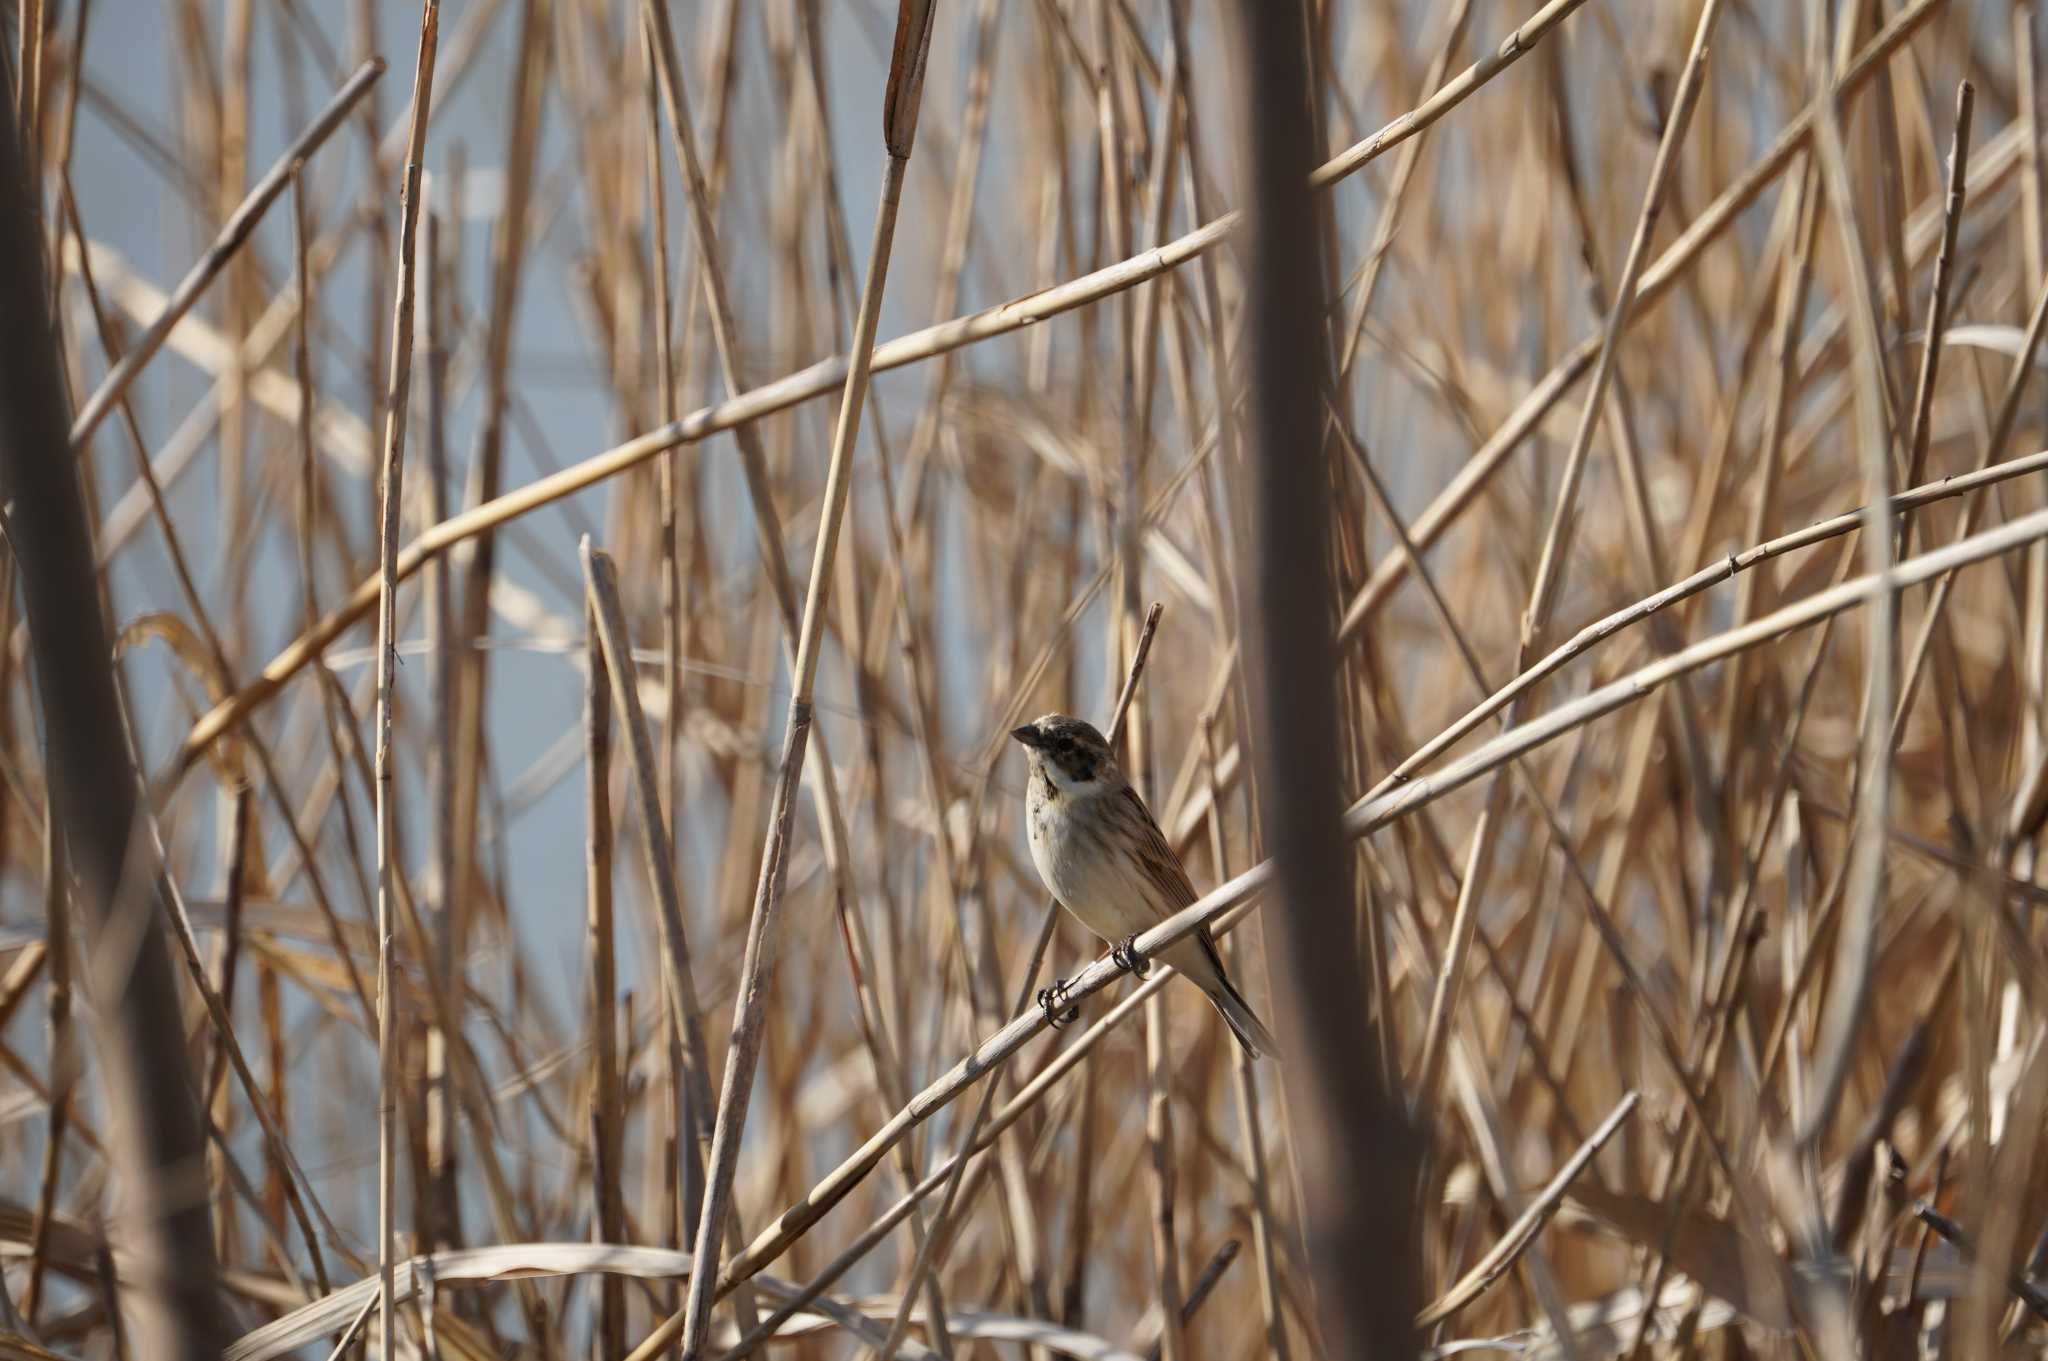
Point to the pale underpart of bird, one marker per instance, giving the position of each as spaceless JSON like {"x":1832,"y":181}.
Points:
{"x":1101,"y":853}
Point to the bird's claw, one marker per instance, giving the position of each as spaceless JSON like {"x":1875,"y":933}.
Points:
{"x":1126,"y":956}
{"x":1059,"y":1010}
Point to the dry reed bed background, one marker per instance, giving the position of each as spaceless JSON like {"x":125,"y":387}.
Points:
{"x":1704,"y":954}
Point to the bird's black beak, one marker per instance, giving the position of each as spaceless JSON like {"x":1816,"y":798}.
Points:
{"x":1028,"y":735}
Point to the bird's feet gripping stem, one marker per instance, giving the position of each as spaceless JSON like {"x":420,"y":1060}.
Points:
{"x":1058,"y":1007}
{"x":1126,"y":956}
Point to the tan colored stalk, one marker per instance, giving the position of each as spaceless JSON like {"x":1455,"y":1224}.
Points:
{"x":932,"y":341}
{"x":981,"y":1131}
{"x":397,"y":404}
{"x":899,"y":126}
{"x":1362,"y":818}
{"x":607,"y":1118}
{"x":1556,"y":545}
{"x":220,"y":252}
{"x":678,"y":975}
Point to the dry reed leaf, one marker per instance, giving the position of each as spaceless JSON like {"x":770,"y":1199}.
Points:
{"x":20,"y":973}
{"x":2005,"y":340}
{"x":325,"y":979}
{"x":1521,"y":1235}
{"x":229,"y":764}
{"x":270,"y":917}
{"x":73,"y":1246}
{"x":979,"y":572}
{"x":466,"y":1266}
{"x":1707,"y":1250}
{"x":331,"y":1313}
{"x":981,"y":1325}
{"x":1602,"y":1328}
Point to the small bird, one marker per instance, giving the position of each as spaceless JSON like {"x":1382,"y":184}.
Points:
{"x":1103,"y":856}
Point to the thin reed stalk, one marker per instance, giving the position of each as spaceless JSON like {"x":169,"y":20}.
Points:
{"x":1640,"y":965}
{"x":397,"y":405}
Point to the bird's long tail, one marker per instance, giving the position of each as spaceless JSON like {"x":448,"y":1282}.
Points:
{"x":1251,"y":1032}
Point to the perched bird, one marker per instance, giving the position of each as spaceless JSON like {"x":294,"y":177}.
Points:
{"x":1103,"y":856}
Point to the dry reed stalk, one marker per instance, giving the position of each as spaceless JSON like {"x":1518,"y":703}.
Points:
{"x":1369,"y":815}
{"x":63,"y":1065}
{"x":899,"y":125}
{"x":1669,"y":905}
{"x":397,"y":406}
{"x":509,"y":240}
{"x":660,"y":39}
{"x":823,"y":377}
{"x":679,"y":978}
{"x":916,"y":668}
{"x":220,"y":253}
{"x":607,"y":1119}
{"x":440,"y":1203}
{"x":1849,"y":989}
{"x":1355,"y":1142}
{"x":93,"y":805}
{"x":1937,"y":300}
{"x":1557,"y":545}
{"x":981,"y":1131}
{"x":654,"y":15}
{"x":675,"y":636}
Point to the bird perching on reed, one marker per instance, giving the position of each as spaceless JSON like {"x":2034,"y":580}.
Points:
{"x":1101,"y":853}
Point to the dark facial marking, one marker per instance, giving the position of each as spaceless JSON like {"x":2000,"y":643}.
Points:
{"x":1078,"y":761}
{"x":1075,"y":747}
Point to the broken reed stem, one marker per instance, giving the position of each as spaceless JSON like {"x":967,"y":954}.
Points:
{"x":679,"y":985}
{"x":679,"y":976}
{"x":906,"y":81}
{"x":607,"y":1118}
{"x":397,"y":403}
{"x":1937,"y":301}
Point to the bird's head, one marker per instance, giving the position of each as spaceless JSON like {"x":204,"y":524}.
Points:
{"x":1071,"y":753}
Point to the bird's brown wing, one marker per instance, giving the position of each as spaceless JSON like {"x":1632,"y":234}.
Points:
{"x":1160,"y":864}
{"x":1163,"y":867}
